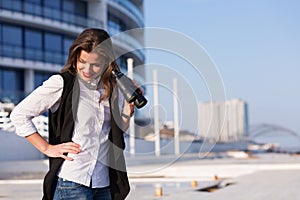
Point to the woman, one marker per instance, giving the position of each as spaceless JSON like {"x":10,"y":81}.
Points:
{"x":86,"y":126}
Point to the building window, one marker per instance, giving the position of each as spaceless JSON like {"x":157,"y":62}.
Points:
{"x":33,"y":45}
{"x":40,"y":77}
{"x":52,"y":9}
{"x":74,"y":7}
{"x":74,"y":12}
{"x":33,"y":7}
{"x":0,"y":32}
{"x":116,"y":23}
{"x":11,"y":84}
{"x":12,"y":41}
{"x":81,"y":8}
{"x":68,"y":11}
{"x":12,"y":35}
{"x":11,"y":5}
{"x":67,"y":44}
{"x":53,"y":48}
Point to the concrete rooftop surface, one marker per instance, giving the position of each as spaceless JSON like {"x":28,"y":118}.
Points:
{"x":262,"y":176}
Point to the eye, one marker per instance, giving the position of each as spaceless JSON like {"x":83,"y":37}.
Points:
{"x":100,"y":63}
{"x":96,"y":65}
{"x":81,"y":61}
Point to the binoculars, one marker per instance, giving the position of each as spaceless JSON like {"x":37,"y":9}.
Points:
{"x":131,"y":92}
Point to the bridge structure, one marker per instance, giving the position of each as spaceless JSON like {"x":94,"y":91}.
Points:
{"x":262,"y":129}
{"x":287,"y":140}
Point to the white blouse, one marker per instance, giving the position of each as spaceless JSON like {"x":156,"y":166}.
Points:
{"x":90,"y":132}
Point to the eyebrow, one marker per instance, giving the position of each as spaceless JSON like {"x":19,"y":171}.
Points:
{"x":84,"y":61}
{"x":81,"y":59}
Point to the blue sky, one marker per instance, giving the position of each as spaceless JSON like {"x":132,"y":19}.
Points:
{"x":255,"y":44}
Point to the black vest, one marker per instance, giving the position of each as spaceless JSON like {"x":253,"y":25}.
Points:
{"x":61,"y":126}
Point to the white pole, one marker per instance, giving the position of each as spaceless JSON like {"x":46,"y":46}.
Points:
{"x":29,"y":80}
{"x":176,"y":121}
{"x":156,"y":113}
{"x":131,"y":122}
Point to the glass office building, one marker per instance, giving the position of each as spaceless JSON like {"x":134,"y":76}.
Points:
{"x":35,"y":36}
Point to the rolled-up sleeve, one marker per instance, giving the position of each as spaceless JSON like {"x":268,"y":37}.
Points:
{"x":47,"y":96}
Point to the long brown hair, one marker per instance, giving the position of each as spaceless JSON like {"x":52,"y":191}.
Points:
{"x":96,"y":40}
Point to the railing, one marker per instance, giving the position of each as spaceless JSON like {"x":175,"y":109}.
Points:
{"x":49,"y":13}
{"x":40,"y":122}
{"x":132,"y":9}
{"x":127,"y":39}
{"x":5,"y":123}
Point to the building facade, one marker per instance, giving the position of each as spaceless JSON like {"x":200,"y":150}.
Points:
{"x":223,"y":121}
{"x":35,"y":36}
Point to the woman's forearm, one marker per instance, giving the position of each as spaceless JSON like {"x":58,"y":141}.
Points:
{"x":126,"y":114}
{"x":125,"y":121}
{"x":38,"y":142}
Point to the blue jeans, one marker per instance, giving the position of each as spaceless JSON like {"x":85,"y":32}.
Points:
{"x":70,"y":190}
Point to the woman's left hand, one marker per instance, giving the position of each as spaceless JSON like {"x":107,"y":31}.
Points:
{"x":128,"y":108}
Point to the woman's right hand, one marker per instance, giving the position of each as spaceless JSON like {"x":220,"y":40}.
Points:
{"x":58,"y":150}
{"x":54,"y":151}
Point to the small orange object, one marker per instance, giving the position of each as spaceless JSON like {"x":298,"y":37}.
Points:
{"x":158,"y":191}
{"x":216,"y":177}
{"x":194,"y":183}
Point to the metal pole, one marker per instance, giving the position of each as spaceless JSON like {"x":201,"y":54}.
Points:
{"x":176,"y":121}
{"x":131,"y":122}
{"x":156,"y":113}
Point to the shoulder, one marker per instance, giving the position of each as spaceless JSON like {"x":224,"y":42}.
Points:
{"x":59,"y":80}
{"x":67,"y":75}
{"x":54,"y":81}
{"x":68,"y":78}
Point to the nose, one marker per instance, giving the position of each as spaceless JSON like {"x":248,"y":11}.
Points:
{"x":87,"y":67}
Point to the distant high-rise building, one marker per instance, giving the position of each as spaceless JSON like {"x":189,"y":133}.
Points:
{"x":223,"y":121}
{"x":35,"y":36}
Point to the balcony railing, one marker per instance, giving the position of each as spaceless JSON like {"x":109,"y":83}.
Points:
{"x":132,"y":9}
{"x":40,"y":122}
{"x":49,"y":13}
{"x":128,"y":40}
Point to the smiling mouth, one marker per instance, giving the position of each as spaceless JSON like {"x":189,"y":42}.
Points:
{"x":86,"y":75}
